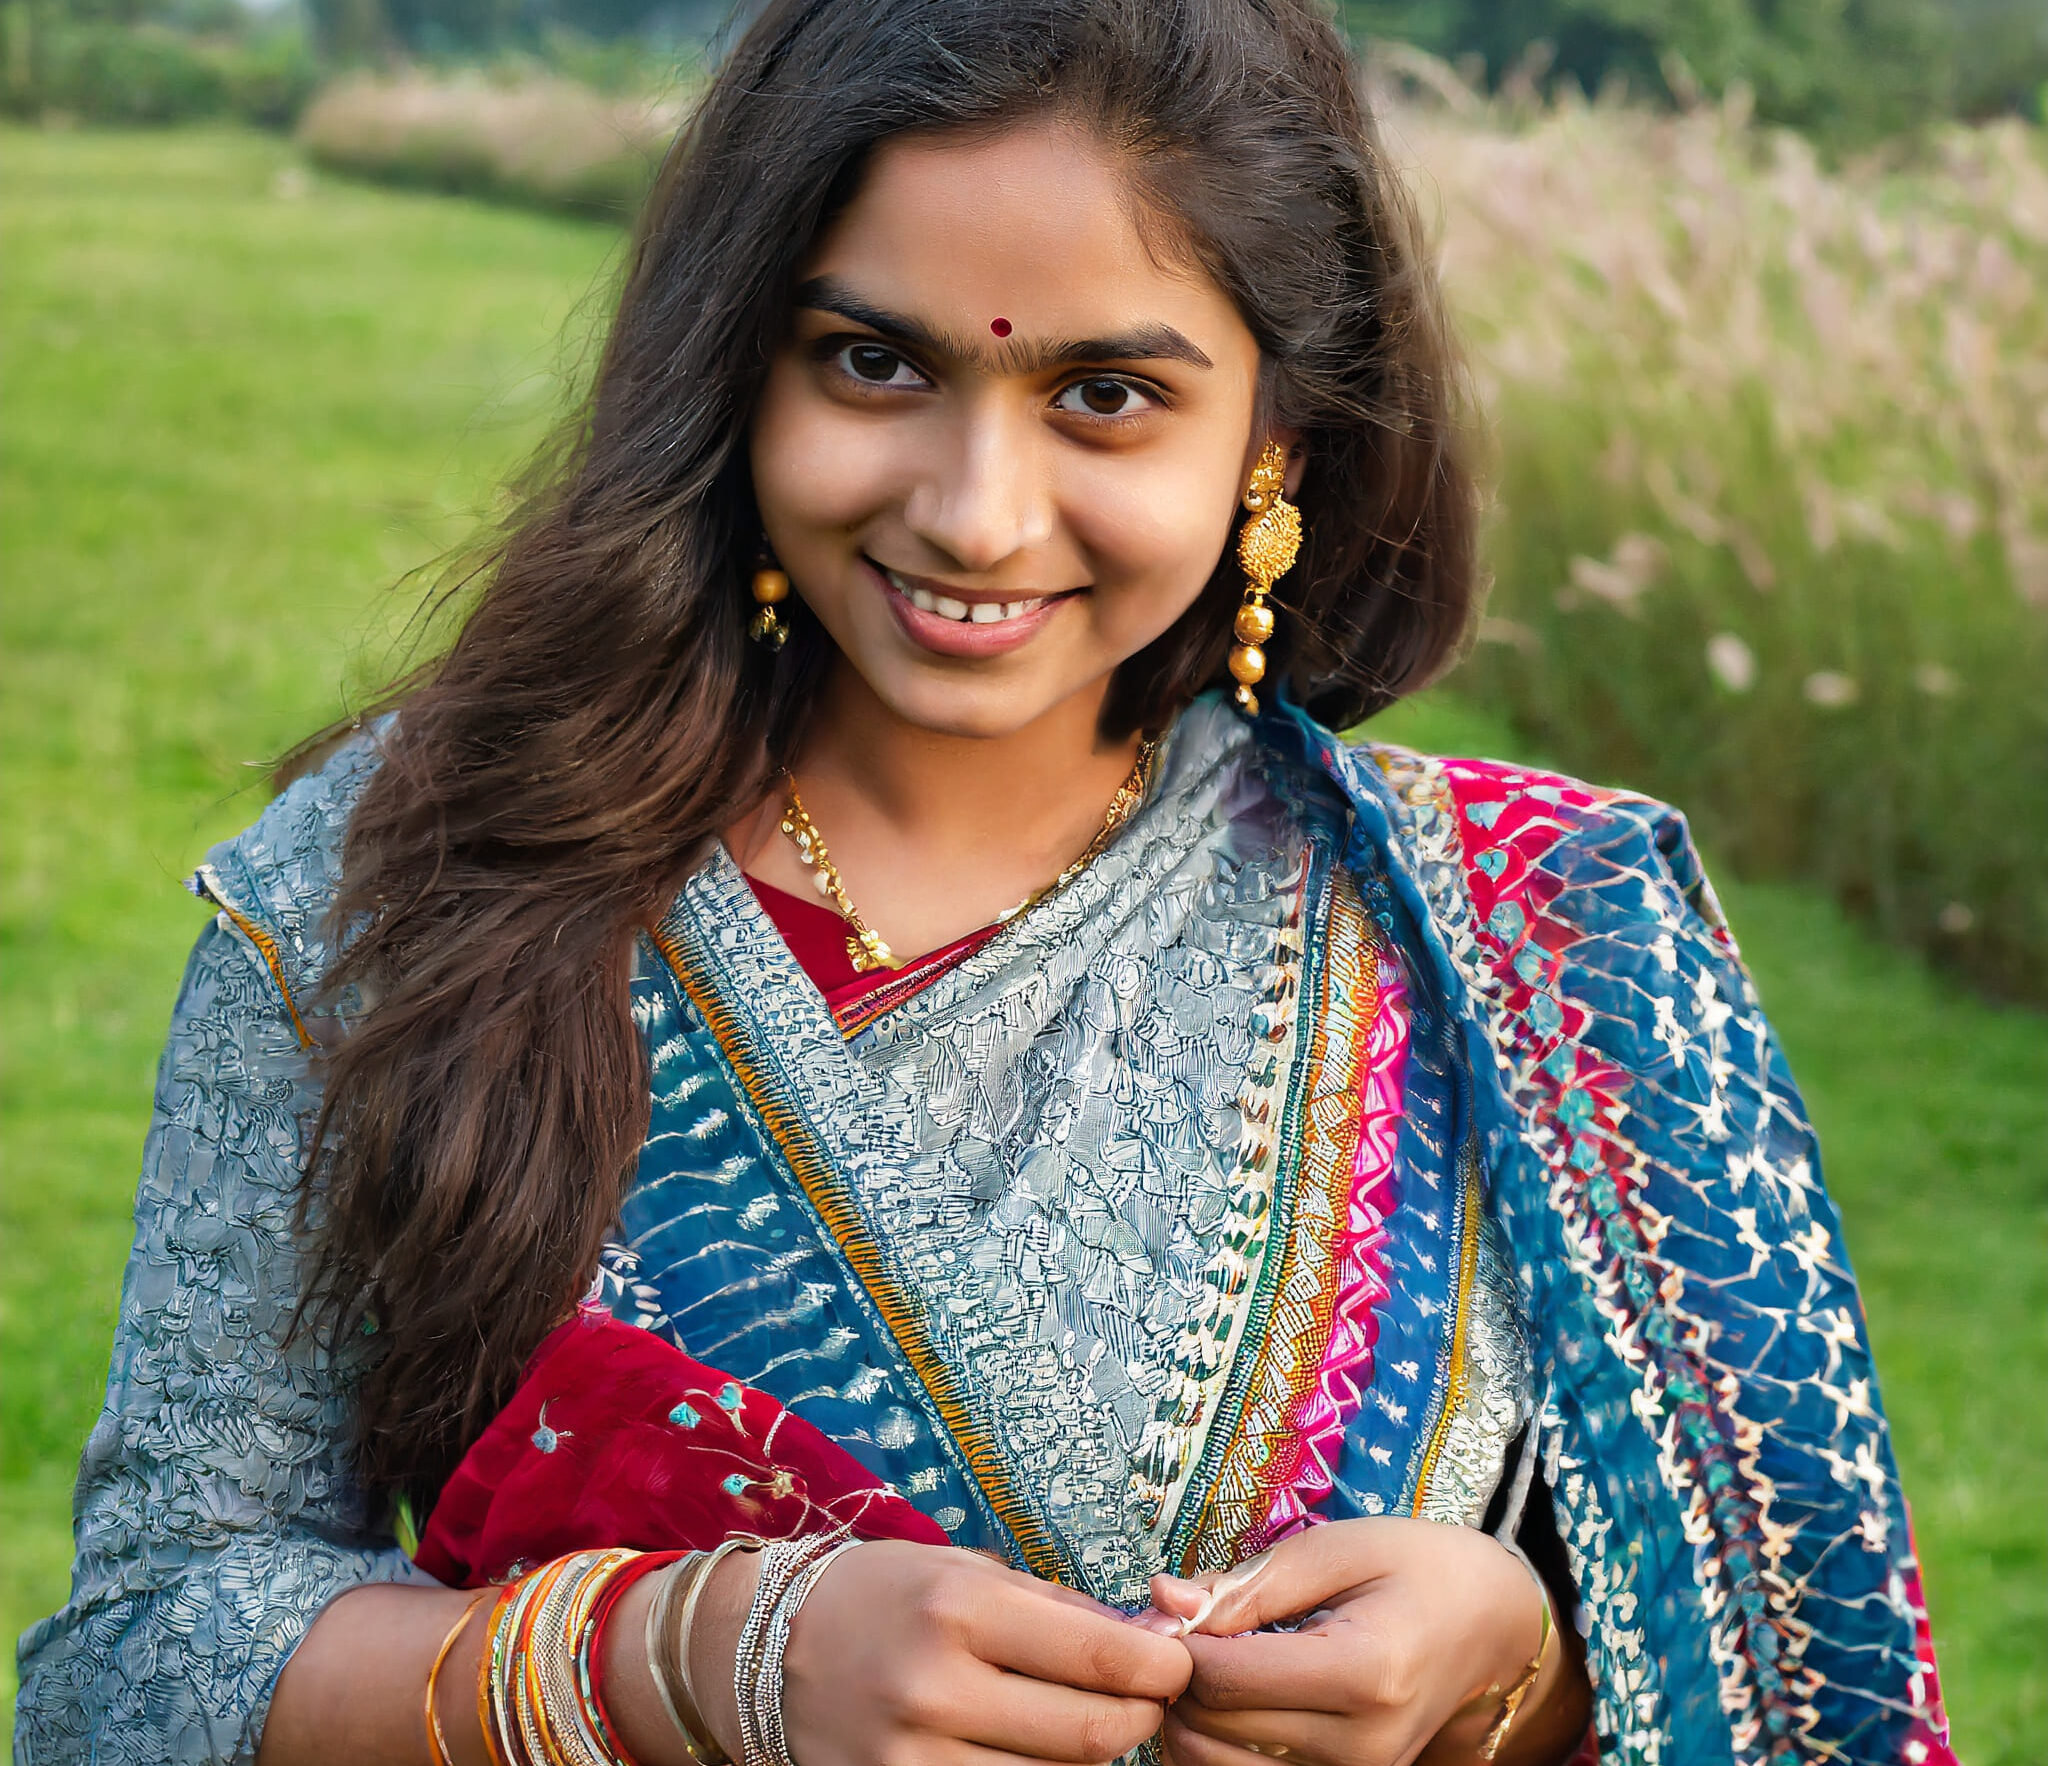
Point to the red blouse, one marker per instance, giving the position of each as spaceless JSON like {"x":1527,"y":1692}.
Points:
{"x":817,"y":937}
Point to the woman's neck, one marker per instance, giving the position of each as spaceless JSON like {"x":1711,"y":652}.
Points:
{"x":935,"y":835}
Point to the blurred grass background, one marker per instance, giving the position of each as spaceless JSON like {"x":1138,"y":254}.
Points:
{"x":243,"y":400}
{"x":1771,"y":518}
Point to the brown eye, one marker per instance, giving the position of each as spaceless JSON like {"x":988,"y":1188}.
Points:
{"x":1103,"y":398}
{"x":876,"y":365}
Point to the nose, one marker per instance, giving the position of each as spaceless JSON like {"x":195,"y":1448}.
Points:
{"x":983,"y":496}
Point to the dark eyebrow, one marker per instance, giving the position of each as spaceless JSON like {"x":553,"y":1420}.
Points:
{"x":1142,"y":343}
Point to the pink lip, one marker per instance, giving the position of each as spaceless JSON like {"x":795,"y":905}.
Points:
{"x":954,"y":637}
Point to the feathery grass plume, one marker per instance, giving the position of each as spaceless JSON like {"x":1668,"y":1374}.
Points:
{"x":1771,"y":430}
{"x":546,"y":142}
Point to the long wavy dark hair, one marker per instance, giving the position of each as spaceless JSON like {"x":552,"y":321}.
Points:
{"x":601,"y":715}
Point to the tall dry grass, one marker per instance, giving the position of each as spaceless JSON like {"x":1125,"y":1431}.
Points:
{"x":1771,"y":459}
{"x":542,"y":141}
{"x":1771,"y":535}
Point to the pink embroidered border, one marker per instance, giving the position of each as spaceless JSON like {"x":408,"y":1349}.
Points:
{"x":1338,"y":1392}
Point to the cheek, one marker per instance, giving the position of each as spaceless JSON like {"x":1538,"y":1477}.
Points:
{"x":815,"y":467}
{"x":1153,"y":540}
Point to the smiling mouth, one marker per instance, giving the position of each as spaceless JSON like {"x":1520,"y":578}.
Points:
{"x":977,"y":612}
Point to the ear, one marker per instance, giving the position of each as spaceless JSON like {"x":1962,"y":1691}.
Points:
{"x":1297,"y":460}
{"x":1297,"y":456}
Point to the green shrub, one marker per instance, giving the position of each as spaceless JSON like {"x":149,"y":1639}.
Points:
{"x":107,"y":73}
{"x":100,"y":72}
{"x":270,"y":79}
{"x":1847,"y":74}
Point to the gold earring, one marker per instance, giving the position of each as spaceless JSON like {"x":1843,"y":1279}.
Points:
{"x":1267,"y":546}
{"x":771,"y":586}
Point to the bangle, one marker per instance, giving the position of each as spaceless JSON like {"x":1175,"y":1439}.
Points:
{"x":537,"y":1686}
{"x":668,"y":1646}
{"x":689,"y":1569}
{"x":437,"y":1737}
{"x":1511,"y":1699}
{"x":768,"y":1687}
{"x":590,"y":1654}
{"x":757,"y":1662}
{"x":494,"y":1645}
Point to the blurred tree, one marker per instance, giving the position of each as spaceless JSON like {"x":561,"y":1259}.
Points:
{"x":350,"y":31}
{"x":2001,"y":49}
{"x":361,"y":30}
{"x":1846,"y":70}
{"x":455,"y":27}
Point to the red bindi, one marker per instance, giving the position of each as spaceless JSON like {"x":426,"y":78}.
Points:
{"x":1001,"y":327}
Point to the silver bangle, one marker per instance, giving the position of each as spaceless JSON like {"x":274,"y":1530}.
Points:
{"x":780,"y":1563}
{"x":769,"y":1686}
{"x":757,"y":1663}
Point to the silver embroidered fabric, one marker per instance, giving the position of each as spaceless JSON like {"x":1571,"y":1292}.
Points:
{"x":215,"y":1517}
{"x":1499,"y":1395}
{"x":1071,"y":1175}
{"x":1061,"y":1147}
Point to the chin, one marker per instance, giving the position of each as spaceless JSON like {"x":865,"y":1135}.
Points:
{"x":978,"y":710}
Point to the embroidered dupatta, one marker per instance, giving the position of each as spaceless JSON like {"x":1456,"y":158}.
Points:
{"x":1107,"y":1209}
{"x":1588,"y":1074}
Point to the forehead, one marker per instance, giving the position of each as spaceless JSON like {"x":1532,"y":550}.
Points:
{"x":1039,"y":226}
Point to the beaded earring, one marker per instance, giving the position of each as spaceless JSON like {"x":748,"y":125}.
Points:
{"x":1267,"y":546}
{"x":770,"y":589}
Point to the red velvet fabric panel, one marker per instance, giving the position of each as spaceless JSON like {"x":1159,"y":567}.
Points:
{"x":616,"y":1437}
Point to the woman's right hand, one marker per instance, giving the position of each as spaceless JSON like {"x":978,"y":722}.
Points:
{"x":923,"y":1655}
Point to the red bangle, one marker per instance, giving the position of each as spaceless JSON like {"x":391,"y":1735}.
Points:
{"x":624,"y":1579}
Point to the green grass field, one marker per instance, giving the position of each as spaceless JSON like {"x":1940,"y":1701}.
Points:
{"x":240,"y":407}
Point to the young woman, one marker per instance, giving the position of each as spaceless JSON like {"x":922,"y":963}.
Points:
{"x":1289,"y":1249}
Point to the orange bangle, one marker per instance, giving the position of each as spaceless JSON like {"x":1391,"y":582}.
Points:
{"x":492,"y":1642}
{"x":437,"y":1737}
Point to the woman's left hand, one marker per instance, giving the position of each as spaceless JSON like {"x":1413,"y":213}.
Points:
{"x":1417,"y":1631}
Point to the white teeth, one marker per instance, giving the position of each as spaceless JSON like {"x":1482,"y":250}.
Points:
{"x":967,"y":612}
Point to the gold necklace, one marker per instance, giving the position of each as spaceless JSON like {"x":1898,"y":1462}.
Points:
{"x":867,"y":949}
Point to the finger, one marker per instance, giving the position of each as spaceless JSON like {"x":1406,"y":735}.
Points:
{"x":1059,"y":1723}
{"x":1045,"y":1589}
{"x":1279,"y":1734}
{"x":1188,"y":1746}
{"x":967,"y":1753}
{"x":1096,"y":1651}
{"x":1325,"y":1670}
{"x":1282,"y":1582}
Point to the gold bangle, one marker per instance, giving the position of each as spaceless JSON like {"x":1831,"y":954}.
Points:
{"x":703,"y":1746}
{"x":685,"y":1569}
{"x":437,"y":1737}
{"x":534,"y":1693}
{"x":1511,"y":1700}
